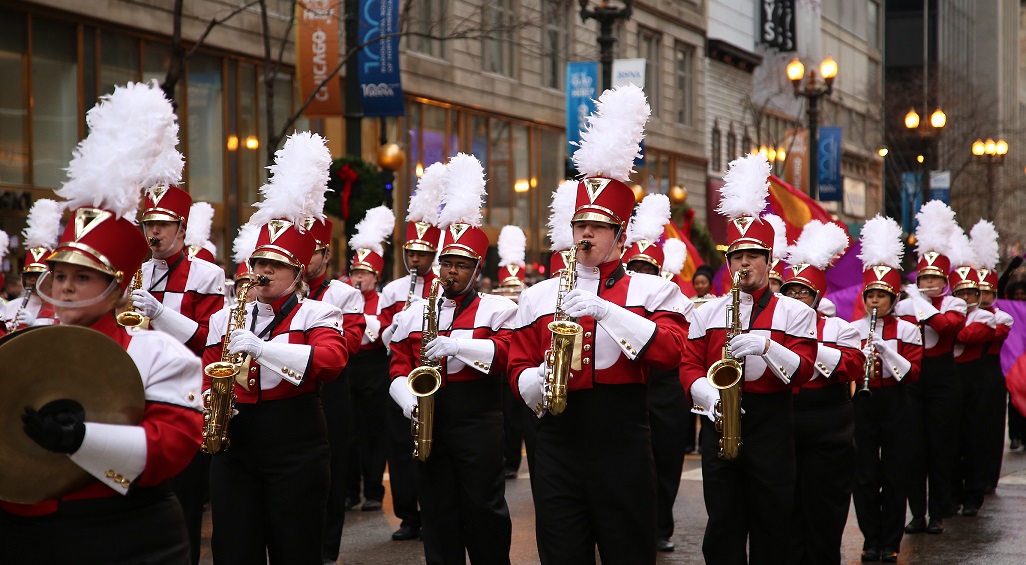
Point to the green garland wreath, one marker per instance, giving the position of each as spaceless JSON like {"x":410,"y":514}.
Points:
{"x":356,"y":187}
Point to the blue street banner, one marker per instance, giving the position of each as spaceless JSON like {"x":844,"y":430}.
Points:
{"x":381,"y":89}
{"x":940,"y":186}
{"x":581,"y":92}
{"x":910,"y":195}
{"x":828,"y":169}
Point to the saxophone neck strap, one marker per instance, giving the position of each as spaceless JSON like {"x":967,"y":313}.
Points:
{"x":317,"y":294}
{"x":616,"y":275}
{"x":170,"y":269}
{"x":761,"y":305}
{"x":286,"y":309}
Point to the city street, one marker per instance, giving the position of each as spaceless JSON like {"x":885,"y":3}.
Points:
{"x":995,"y":537}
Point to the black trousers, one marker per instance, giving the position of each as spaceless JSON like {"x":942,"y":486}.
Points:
{"x":400,"y":467}
{"x":192,"y":488}
{"x":751,"y":498}
{"x":268,"y":490}
{"x":335,"y":399}
{"x":145,"y":526}
{"x":461,"y":485}
{"x":668,"y":414}
{"x":594,"y":480}
{"x":1016,"y":422}
{"x":997,"y":395}
{"x":934,"y":407}
{"x":512,"y":428}
{"x":971,"y":477}
{"x":824,"y":444}
{"x":881,"y":440}
{"x":368,"y":385}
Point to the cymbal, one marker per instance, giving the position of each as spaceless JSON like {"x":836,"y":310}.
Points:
{"x":48,"y":363}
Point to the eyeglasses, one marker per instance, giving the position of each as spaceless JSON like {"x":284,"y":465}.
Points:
{"x":800,"y":292}
{"x":448,"y":265}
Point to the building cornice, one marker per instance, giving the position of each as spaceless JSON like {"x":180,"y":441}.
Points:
{"x":732,"y":55}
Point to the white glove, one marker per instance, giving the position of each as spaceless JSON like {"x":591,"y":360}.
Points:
{"x":25,"y":318}
{"x":442,"y":346}
{"x":145,"y":303}
{"x":882,"y":346}
{"x":866,"y":350}
{"x":748,"y":344}
{"x":245,"y":341}
{"x":912,"y":291}
{"x":402,"y":396}
{"x":580,"y":303}
{"x":532,"y":388}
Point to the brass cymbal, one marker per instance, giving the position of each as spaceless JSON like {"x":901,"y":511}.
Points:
{"x":48,"y":363}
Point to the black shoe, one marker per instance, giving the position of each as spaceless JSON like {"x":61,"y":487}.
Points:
{"x":916,"y":526}
{"x":870,"y":555}
{"x":689,"y":450}
{"x":952,"y":510}
{"x":970,"y":511}
{"x":1014,"y":444}
{"x":888,"y":555}
{"x":405,"y":533}
{"x":351,"y":502}
{"x":935,"y":527}
{"x":990,"y":489}
{"x":510,"y":473}
{"x":663,"y":544}
{"x":370,"y":505}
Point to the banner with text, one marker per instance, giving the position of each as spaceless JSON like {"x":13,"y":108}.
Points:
{"x":381,"y":90}
{"x":796,"y":166}
{"x":777,"y":24}
{"x":631,"y":71}
{"x":828,"y":170}
{"x":940,"y":186}
{"x":581,"y":92}
{"x":317,"y":56}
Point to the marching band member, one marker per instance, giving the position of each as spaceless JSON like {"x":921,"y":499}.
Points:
{"x":512,"y":249}
{"x":460,"y":484}
{"x":127,"y":512}
{"x":419,"y":247}
{"x":268,"y":488}
{"x":933,"y":400}
{"x":5,"y":242}
{"x":197,"y":237}
{"x":985,"y":242}
{"x":971,"y":341}
{"x":516,"y":418}
{"x":777,"y":263}
{"x":667,"y":405}
{"x":41,"y":232}
{"x":560,"y":233}
{"x":750,"y":498}
{"x":895,"y":354}
{"x":594,"y":481}
{"x":823,"y":422}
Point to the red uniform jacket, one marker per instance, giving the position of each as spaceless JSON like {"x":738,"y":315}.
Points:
{"x":906,"y":339}
{"x":975,"y":334}
{"x":839,"y":357}
{"x":192,"y":287}
{"x":349,"y":301}
{"x":940,"y":318}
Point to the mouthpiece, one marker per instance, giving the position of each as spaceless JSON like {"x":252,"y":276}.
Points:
{"x":585,"y":244}
{"x":448,"y":283}
{"x":262,"y":280}
{"x":153,"y":241}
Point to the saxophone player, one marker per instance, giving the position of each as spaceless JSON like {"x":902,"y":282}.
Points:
{"x":594,"y":477}
{"x":881,"y":419}
{"x":269,"y":487}
{"x":823,"y":422}
{"x":461,"y":484}
{"x":749,"y":499}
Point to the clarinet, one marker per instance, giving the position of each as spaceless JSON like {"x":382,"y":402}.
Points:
{"x":413,"y":288}
{"x":869,"y":367}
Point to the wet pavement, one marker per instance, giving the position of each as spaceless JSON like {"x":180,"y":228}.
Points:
{"x":996,"y":537}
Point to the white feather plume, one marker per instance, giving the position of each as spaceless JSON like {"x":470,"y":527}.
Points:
{"x":651,"y":217}
{"x":564,"y":201}
{"x":881,"y":243}
{"x":372,"y":231}
{"x":936,"y":225}
{"x":245,"y":242}
{"x":201,"y":216}
{"x":612,"y":140}
{"x":779,"y":235}
{"x":43,"y":226}
{"x":427,"y":198}
{"x":960,"y":250}
{"x":675,"y":254}
{"x":464,"y":191}
{"x":167,"y":168}
{"x":818,"y":245}
{"x":985,"y":243}
{"x":298,"y":181}
{"x":5,"y":242}
{"x":512,"y":246}
{"x":112,"y":165}
{"x":746,"y":186}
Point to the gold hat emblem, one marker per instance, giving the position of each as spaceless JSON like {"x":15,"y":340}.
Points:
{"x":643,"y":244}
{"x":86,"y":219}
{"x":513,"y":270}
{"x":457,"y":230}
{"x":963,"y":272}
{"x":594,"y":187}
{"x":308,"y":223}
{"x":881,"y":271}
{"x":362,"y":254}
{"x":157,"y":192}
{"x":797,"y":269}
{"x":422,"y":228}
{"x":743,"y":223}
{"x":277,"y":227}
{"x":930,"y":257}
{"x":38,"y":253}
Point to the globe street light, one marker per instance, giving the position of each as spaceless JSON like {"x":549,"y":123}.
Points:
{"x":607,"y":15}
{"x":813,"y":90}
{"x":991,"y":153}
{"x":928,"y":132}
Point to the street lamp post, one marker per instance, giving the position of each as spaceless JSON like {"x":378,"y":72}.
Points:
{"x":928,"y":131}
{"x":991,"y":153}
{"x":607,"y":16}
{"x":813,"y":90}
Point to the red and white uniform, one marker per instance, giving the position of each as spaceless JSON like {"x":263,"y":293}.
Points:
{"x":349,"y":301}
{"x":940,"y":317}
{"x":319,"y":352}
{"x":1002,"y":327}
{"x":839,"y":357}
{"x":646,"y":326}
{"x":121,"y":457}
{"x":191,"y":287}
{"x":372,"y":332}
{"x":36,"y":312}
{"x":480,"y":322}
{"x":905,"y":338}
{"x":393,"y":297}
{"x":975,"y":335}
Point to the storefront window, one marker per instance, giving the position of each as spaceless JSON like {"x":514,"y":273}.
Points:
{"x":54,"y":100}
{"x":250,"y":159}
{"x":433,"y":135}
{"x":13,"y":150}
{"x":500,"y":175}
{"x":119,"y":61}
{"x":522,"y":175}
{"x":205,"y":130}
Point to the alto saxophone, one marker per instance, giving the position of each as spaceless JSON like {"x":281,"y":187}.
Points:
{"x":725,"y":375}
{"x":219,"y":399}
{"x":869,"y":367}
{"x":565,"y":331}
{"x":132,"y":318}
{"x":425,"y":380}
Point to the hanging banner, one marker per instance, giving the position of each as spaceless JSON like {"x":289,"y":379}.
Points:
{"x":796,"y":166}
{"x":940,"y":186}
{"x":631,"y":71}
{"x":777,"y":24}
{"x":381,"y":89}
{"x":828,"y":169}
{"x":317,"y":57}
{"x":581,"y":92}
{"x":910,"y":196}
